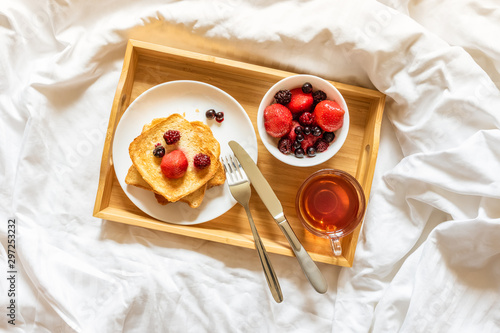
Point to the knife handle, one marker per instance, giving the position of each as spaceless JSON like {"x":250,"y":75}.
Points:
{"x":308,"y":266}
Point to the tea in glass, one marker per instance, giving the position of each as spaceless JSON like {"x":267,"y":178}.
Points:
{"x":330,"y":203}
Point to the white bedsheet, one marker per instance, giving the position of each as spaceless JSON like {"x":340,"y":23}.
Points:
{"x":428,"y":258}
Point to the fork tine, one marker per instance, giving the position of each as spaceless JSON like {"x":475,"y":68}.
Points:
{"x":227,"y":168}
{"x":237,"y":167}
{"x":232,"y":165}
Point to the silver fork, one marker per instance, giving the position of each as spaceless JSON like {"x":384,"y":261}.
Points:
{"x":239,"y":185}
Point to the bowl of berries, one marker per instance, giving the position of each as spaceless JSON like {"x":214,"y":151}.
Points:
{"x":303,"y":120}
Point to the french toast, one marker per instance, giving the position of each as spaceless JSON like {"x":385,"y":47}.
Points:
{"x":196,"y":137}
{"x":194,"y":199}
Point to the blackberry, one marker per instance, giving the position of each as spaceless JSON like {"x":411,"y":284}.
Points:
{"x":171,"y":136}
{"x":328,"y":136}
{"x":321,"y":145}
{"x":307,"y":88}
{"x":299,"y":152}
{"x":318,"y":96}
{"x":219,"y":117}
{"x":201,"y":161}
{"x":285,"y":146}
{"x":283,"y":97}
{"x":159,"y":151}
{"x":311,"y":152}
{"x":210,"y":114}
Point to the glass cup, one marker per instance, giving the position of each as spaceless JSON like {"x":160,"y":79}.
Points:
{"x":331,"y":203}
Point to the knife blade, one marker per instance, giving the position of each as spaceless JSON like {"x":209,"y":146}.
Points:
{"x":273,"y":205}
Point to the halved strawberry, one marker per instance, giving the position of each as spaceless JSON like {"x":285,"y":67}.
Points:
{"x":329,"y":115}
{"x":300,"y":101}
{"x":277,"y":120}
{"x":309,"y":141}
{"x":174,"y":164}
{"x":292,"y":135}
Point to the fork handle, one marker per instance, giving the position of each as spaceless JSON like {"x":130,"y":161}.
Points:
{"x":272,"y":280}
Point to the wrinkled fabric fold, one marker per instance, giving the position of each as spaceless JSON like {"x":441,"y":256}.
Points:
{"x":428,"y":254}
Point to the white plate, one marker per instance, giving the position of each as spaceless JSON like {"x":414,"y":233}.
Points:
{"x":190,"y":99}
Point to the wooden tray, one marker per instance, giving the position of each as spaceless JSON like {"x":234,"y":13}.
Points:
{"x":146,"y":65}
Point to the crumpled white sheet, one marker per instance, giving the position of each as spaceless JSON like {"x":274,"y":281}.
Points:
{"x":428,"y":257}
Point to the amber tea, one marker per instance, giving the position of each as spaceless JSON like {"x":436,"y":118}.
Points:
{"x":330,"y":204}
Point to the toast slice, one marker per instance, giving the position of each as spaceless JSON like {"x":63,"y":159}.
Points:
{"x":134,"y":177}
{"x":190,"y":188}
{"x":195,"y":199}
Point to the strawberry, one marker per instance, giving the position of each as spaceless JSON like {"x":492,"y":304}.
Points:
{"x":277,"y":120}
{"x":329,"y":115}
{"x":300,"y":101}
{"x":292,"y":135}
{"x":174,"y":164}
{"x":309,"y":141}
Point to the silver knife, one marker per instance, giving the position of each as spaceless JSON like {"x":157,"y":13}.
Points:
{"x":274,"y":207}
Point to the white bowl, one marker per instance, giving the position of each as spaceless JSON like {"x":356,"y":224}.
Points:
{"x":296,"y":81}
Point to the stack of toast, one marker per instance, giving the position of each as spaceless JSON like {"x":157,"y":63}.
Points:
{"x":196,"y":137}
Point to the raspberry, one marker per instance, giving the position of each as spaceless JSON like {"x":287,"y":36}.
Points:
{"x":159,"y":151}
{"x":318,"y":96}
{"x":201,"y":161}
{"x":321,"y":145}
{"x":306,"y":118}
{"x":283,"y":96}
{"x":285,"y":145}
{"x":171,"y":136}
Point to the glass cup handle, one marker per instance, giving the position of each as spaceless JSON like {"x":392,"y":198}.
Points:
{"x":335,"y":243}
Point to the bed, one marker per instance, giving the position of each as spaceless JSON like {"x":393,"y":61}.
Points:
{"x":428,"y":254}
